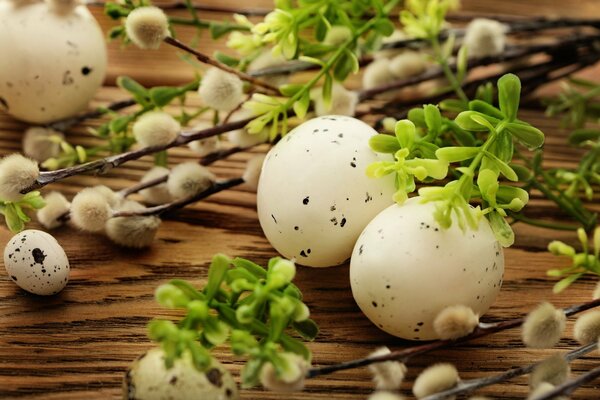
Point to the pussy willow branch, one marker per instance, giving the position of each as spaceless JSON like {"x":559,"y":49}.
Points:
{"x":484,"y":329}
{"x":468,"y":386}
{"x":569,"y":387}
{"x":105,"y":164}
{"x":175,"y":205}
{"x":203,"y":58}
{"x":206,"y":160}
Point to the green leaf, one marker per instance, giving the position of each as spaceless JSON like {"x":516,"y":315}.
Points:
{"x":163,"y":95}
{"x":226,"y":59}
{"x":384,"y":26}
{"x":295,"y":346}
{"x":139,"y":93}
{"x":290,"y":89}
{"x":188,"y":289}
{"x":522,"y":172}
{"x":465,"y":121}
{"x":485,"y":108}
{"x":580,"y":136}
{"x":452,"y":105}
{"x":507,"y":193}
{"x":462,"y":60}
{"x":219,"y":29}
{"x":456,"y":154}
{"x":346,"y":64}
{"x":433,"y":119}
{"x":308,"y":329}
{"x":327,"y":89}
{"x":503,"y":167}
{"x":384,"y":144}
{"x":501,"y":228}
{"x":251,"y":372}
{"x":216,"y":274}
{"x":530,"y":136}
{"x":322,"y":28}
{"x":251,"y":267}
{"x":565,"y":283}
{"x":119,"y":124}
{"x":405,"y":133}
{"x":509,"y":93}
{"x":14,"y":223}
{"x":301,"y":105}
{"x":417,"y":117}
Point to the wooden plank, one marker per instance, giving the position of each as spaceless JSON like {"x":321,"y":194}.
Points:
{"x":77,"y":344}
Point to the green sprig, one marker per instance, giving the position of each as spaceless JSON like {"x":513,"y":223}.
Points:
{"x":254,"y":308}
{"x":14,"y":211}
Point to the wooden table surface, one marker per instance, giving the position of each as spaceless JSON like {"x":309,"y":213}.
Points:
{"x":76,"y":345}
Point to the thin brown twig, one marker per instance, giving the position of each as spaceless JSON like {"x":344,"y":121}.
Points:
{"x":468,"y":386}
{"x":203,"y":58}
{"x":405,"y":354}
{"x":177,"y":204}
{"x":569,"y":387}
{"x":107,"y":163}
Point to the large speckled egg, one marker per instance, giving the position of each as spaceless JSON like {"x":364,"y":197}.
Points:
{"x":52,"y":63}
{"x":149,"y":379}
{"x":314,"y":197}
{"x":36,"y":262}
{"x":405,"y":269}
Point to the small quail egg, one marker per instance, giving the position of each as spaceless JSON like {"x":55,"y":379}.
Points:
{"x":148,"y":379}
{"x":405,"y":269}
{"x":314,"y":197}
{"x":36,"y":262}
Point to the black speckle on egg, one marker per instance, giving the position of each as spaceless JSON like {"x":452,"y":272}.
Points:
{"x":303,"y":254}
{"x":387,"y":286}
{"x":353,"y":162}
{"x":334,"y":221}
{"x":306,"y":200}
{"x":368,"y":198}
{"x":14,"y":278}
{"x":343,"y":222}
{"x":374,"y":303}
{"x":332,"y":208}
{"x":67,"y":78}
{"x":38,"y":256}
{"x":296,"y":228}
{"x":86,"y":70}
{"x":360,"y":249}
{"x":274,"y":219}
{"x":4,"y":103}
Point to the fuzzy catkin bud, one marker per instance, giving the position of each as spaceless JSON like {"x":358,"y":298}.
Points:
{"x":455,"y":321}
{"x":240,"y":137}
{"x":113,"y":199}
{"x":543,"y":326}
{"x":343,"y":102}
{"x":387,"y":375}
{"x":221,"y":90}
{"x":407,"y":64}
{"x":147,"y":27}
{"x":554,"y":370}
{"x":56,"y":206}
{"x":383,"y":395}
{"x":587,"y":328}
{"x":38,"y":143}
{"x":396,"y":36}
{"x":434,"y":379}
{"x":90,"y":210}
{"x":157,"y":194}
{"x":188,"y":179}
{"x":134,"y":232}
{"x":377,"y":74}
{"x":251,"y":175}
{"x":485,"y":37}
{"x":290,"y":380}
{"x":16,"y":174}
{"x":542,"y":389}
{"x":206,"y":146}
{"x":156,"y":128}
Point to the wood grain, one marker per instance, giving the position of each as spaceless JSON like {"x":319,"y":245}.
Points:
{"x":76,"y":345}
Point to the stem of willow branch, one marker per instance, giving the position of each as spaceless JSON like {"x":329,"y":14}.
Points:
{"x":473,"y":384}
{"x":203,"y":58}
{"x":175,"y":205}
{"x":484,"y":329}
{"x":569,"y":387}
{"x":68,"y":123}
{"x":105,"y":164}
{"x":206,"y":160}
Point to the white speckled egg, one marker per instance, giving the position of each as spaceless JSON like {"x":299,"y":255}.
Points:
{"x":405,"y":269}
{"x":36,"y":262}
{"x":314,"y":197}
{"x":52,"y":62}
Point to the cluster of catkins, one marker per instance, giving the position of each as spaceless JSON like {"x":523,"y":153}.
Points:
{"x":483,"y":37}
{"x":542,"y":329}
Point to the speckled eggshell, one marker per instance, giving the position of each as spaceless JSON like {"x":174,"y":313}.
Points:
{"x":36,"y":262}
{"x":148,"y":379}
{"x":314,"y":197}
{"x":52,"y":63}
{"x":405,"y":269}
